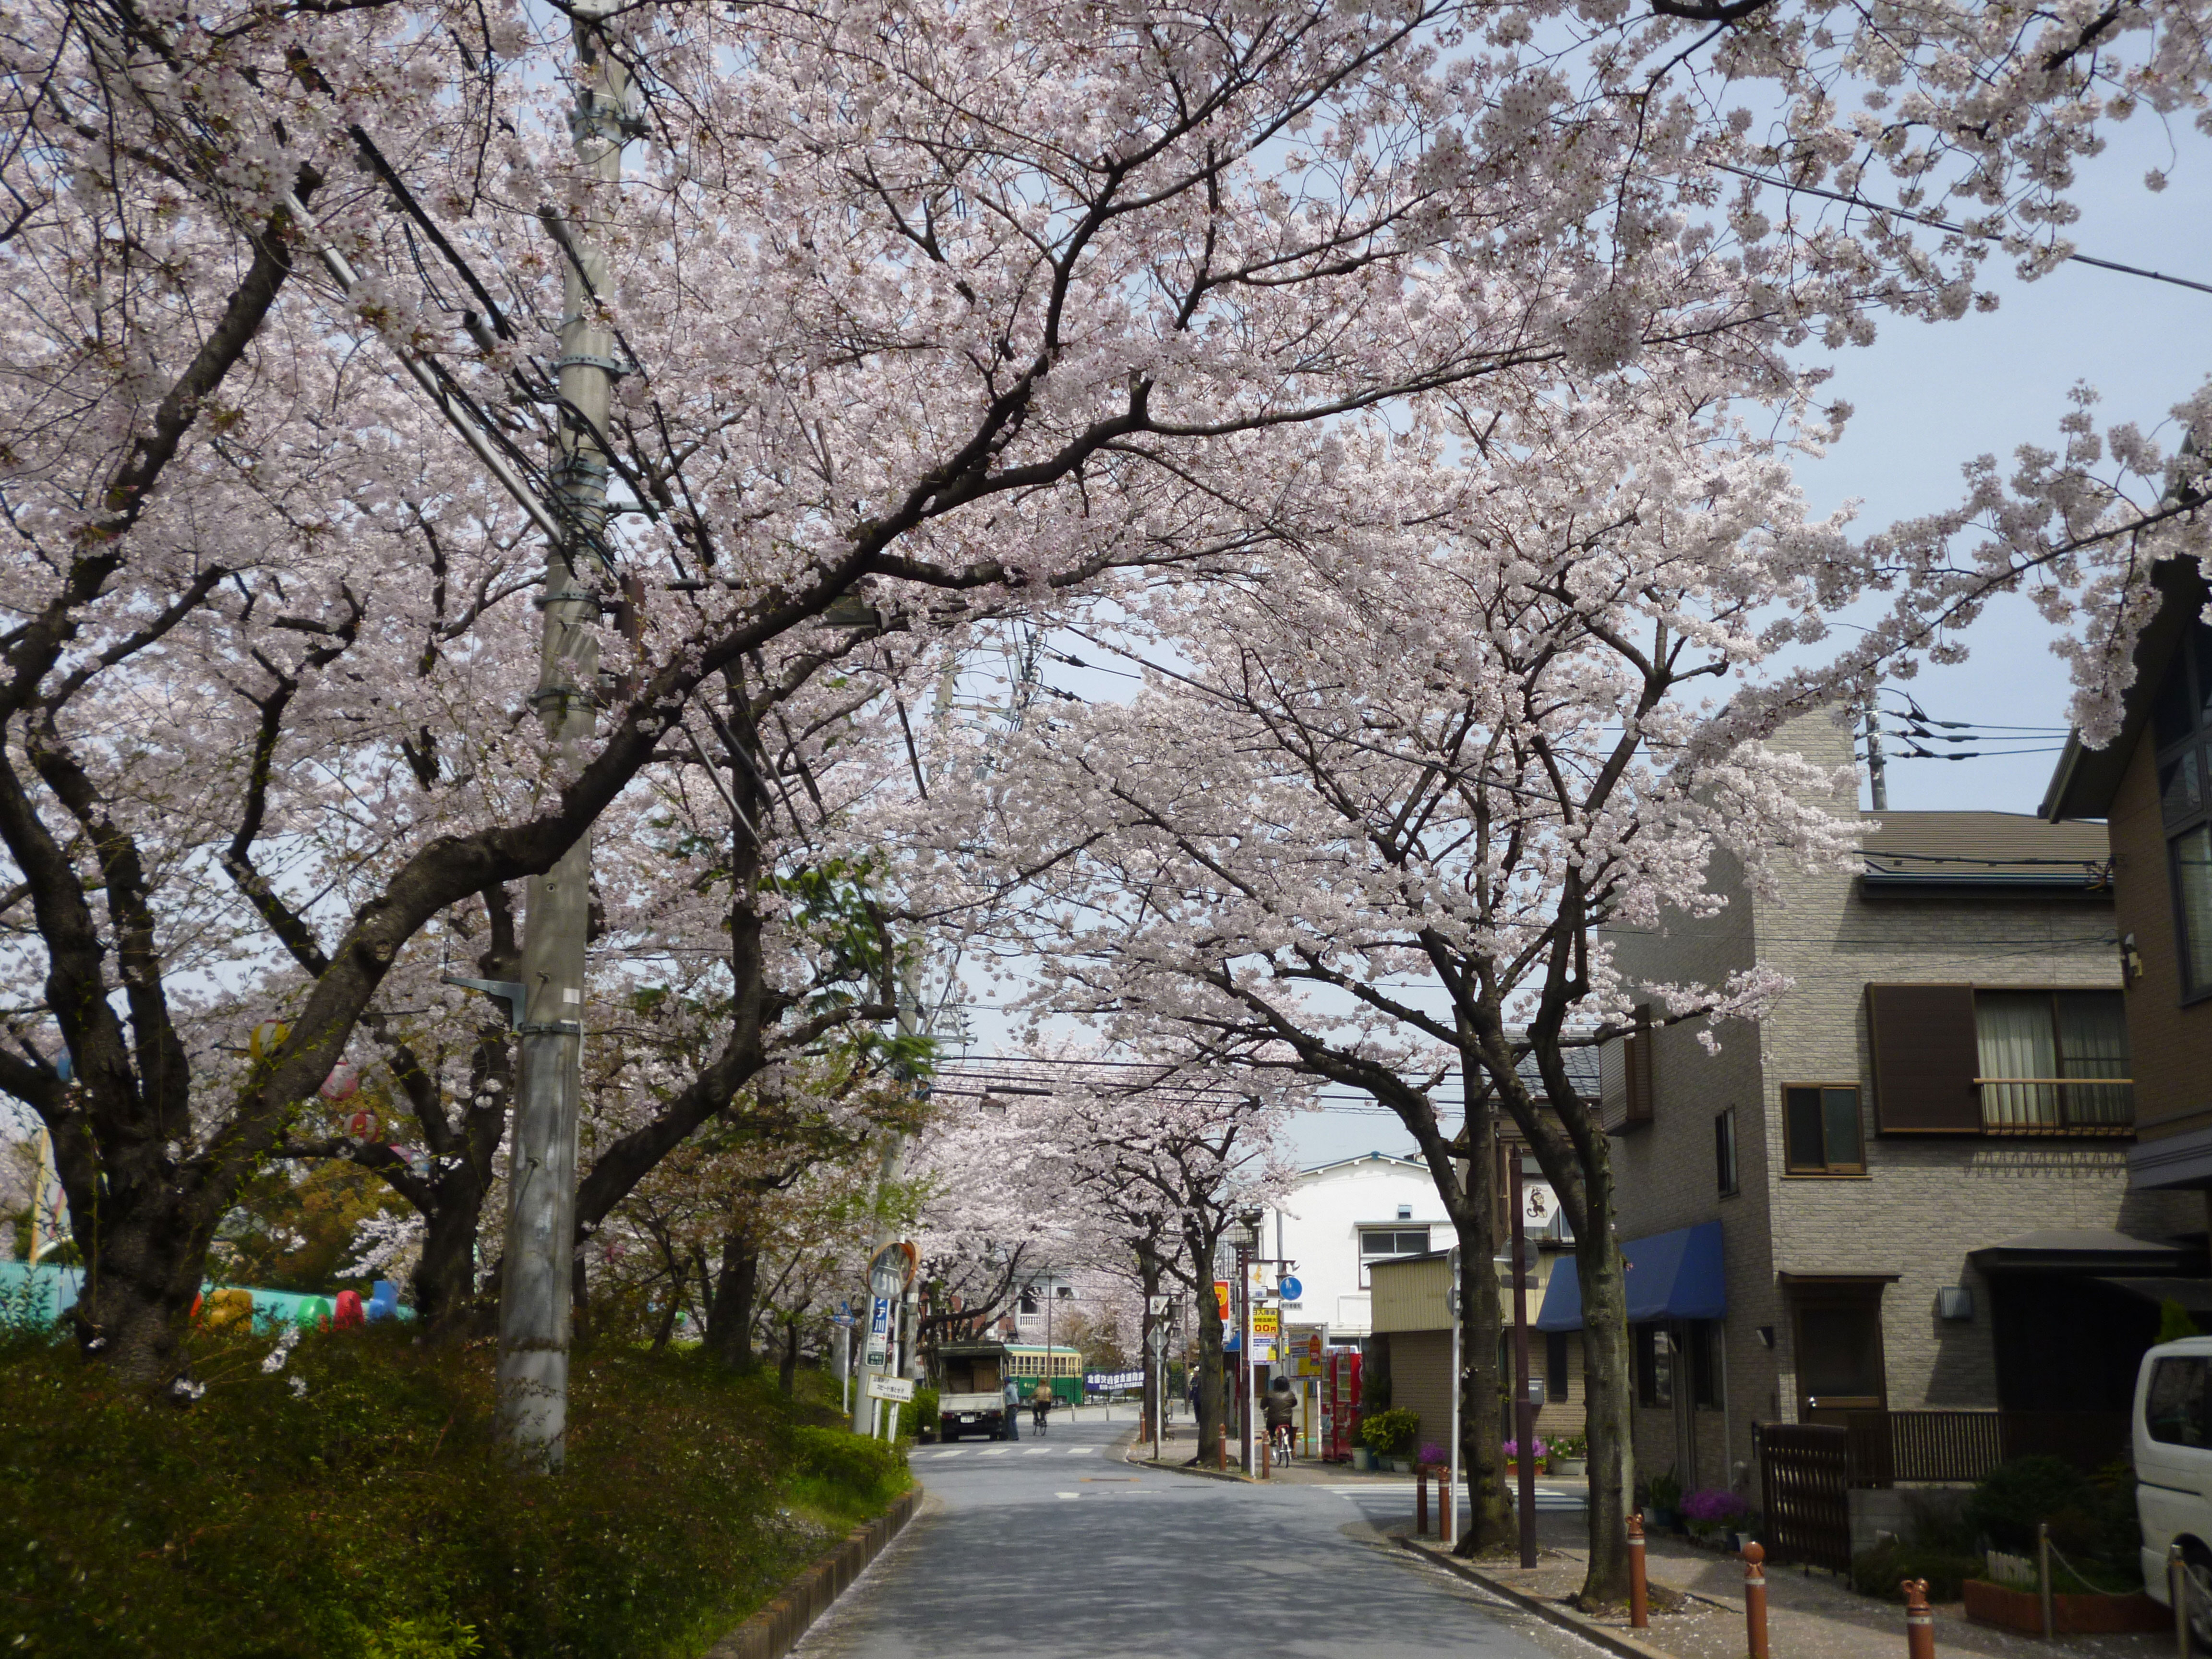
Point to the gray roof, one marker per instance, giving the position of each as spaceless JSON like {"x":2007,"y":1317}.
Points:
{"x":1983,"y":849}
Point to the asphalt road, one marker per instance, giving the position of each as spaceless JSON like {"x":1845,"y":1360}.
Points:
{"x":1053,"y":1548}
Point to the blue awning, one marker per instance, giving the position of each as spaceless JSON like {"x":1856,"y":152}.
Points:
{"x":1675,"y":1275}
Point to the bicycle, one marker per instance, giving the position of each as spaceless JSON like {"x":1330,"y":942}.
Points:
{"x":1037,"y":1415}
{"x":1282,"y":1443}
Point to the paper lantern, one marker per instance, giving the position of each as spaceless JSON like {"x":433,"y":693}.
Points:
{"x":342,"y":1083}
{"x":266,"y":1038}
{"x":383,"y":1300}
{"x":228,"y":1307}
{"x":362,"y":1126}
{"x":348,"y":1313}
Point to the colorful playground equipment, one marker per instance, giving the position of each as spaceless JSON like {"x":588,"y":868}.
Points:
{"x":53,"y":1292}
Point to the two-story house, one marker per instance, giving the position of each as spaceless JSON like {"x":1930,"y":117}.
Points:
{"x":1905,"y":1189}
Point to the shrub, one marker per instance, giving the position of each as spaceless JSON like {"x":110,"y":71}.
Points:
{"x":354,"y":1505}
{"x":1389,"y":1434}
{"x":1879,"y":1571}
{"x":2007,"y":1506}
{"x":918,"y":1415}
{"x":1432,"y":1455}
{"x":1665,"y":1490}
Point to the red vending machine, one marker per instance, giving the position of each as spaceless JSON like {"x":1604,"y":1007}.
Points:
{"x":1340,"y":1405}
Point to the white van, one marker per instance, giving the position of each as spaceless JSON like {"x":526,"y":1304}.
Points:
{"x":2173,"y":1472}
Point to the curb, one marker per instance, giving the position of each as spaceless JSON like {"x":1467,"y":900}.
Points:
{"x":775,"y":1628}
{"x":1603,"y":1636}
{"x":1237,"y":1476}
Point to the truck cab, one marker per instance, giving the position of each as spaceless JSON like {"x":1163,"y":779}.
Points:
{"x":971,"y":1388}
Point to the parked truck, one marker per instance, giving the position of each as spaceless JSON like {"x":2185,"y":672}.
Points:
{"x":971,"y":1388}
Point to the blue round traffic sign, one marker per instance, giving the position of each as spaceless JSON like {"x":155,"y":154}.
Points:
{"x":1291,"y":1289}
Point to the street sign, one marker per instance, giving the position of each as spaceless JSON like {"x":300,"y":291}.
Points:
{"x":896,"y":1262}
{"x":1264,"y":1322}
{"x":843,"y":1322}
{"x":1221,"y":1297}
{"x":890,"y":1388}
{"x":1159,"y":1339}
{"x":1157,"y":1305}
{"x":879,"y":1350}
{"x":1291,"y":1289}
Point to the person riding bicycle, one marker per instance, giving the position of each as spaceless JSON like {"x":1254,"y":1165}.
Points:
{"x":1281,"y":1406}
{"x":1040,"y":1403}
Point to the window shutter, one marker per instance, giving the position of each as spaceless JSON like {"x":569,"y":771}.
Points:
{"x":1925,"y":1059}
{"x":1636,"y":1060}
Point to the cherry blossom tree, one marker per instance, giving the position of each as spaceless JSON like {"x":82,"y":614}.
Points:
{"x":1377,"y":825}
{"x":916,"y":318}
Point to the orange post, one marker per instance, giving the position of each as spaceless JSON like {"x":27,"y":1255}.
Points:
{"x":1919,"y":1620}
{"x":1420,"y":1500}
{"x":1639,"y":1598}
{"x":1754,"y":1599}
{"x":1221,"y":1451}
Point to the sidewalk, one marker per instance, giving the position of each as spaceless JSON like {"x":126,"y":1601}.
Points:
{"x":1809,"y":1614}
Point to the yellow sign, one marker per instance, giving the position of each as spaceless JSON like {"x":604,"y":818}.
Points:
{"x":1221,"y":1297}
{"x":1265,"y":1322}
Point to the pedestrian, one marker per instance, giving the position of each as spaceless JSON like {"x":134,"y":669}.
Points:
{"x":1040,"y":1403}
{"x":1013,"y":1409}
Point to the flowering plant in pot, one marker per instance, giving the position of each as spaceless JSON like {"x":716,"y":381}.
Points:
{"x":1713,"y":1511}
{"x":1537,"y":1449}
{"x":1432,"y":1455}
{"x":1570,"y":1456}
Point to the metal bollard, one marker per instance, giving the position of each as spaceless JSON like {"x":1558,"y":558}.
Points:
{"x":1754,"y":1599}
{"x":1420,"y":1500}
{"x":1919,"y":1620}
{"x":1639,"y":1597}
{"x":1266,"y":1451}
{"x":2177,"y":1590}
{"x":1221,"y":1451}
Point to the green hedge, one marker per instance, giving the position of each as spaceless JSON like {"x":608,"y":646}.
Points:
{"x":370,"y":1517}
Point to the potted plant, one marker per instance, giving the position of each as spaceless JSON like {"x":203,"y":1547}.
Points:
{"x":1570,"y":1456}
{"x":1432,"y":1457}
{"x":1664,"y":1503}
{"x":1537,"y":1449}
{"x":1389,"y":1436}
{"x":1712,"y":1512}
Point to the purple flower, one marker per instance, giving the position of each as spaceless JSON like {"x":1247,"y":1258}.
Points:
{"x":1715,"y":1505}
{"x":1432,"y":1453}
{"x":1536,"y":1441}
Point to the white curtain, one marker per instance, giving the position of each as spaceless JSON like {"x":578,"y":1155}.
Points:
{"x":2017,"y":1040}
{"x":2093,"y":1042}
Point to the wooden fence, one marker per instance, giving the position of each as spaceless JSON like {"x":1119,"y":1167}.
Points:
{"x":1887,"y":1446}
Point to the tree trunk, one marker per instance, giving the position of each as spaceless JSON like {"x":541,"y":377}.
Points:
{"x":1209,"y":1350}
{"x":730,"y":1319}
{"x":446,"y":1275}
{"x":144,"y":1254}
{"x":1490,"y":1525}
{"x":786,"y":1373}
{"x":1607,"y":1395}
{"x":1148,"y":1276}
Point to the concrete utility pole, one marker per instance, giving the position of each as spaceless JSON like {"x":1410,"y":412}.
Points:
{"x":536,"y":1277}
{"x":1877,"y":766}
{"x":888,"y":1175}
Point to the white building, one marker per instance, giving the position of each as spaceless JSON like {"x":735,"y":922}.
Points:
{"x":1337,"y":1220}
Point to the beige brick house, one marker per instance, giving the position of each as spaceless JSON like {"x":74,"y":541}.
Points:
{"x":1918,"y":1162}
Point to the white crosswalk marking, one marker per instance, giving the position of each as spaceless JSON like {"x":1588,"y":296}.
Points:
{"x":995,"y":1451}
{"x":1038,"y":1451}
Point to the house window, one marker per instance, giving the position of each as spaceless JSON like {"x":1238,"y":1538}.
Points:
{"x":1030,"y":1299}
{"x":1382,"y":1244}
{"x":1724,"y":1150}
{"x":1654,"y":1366}
{"x":2031,"y":1045}
{"x":1839,"y":1354}
{"x":2181,"y":730}
{"x":1821,"y":1129}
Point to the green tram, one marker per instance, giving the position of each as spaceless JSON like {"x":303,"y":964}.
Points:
{"x":1026,"y":1363}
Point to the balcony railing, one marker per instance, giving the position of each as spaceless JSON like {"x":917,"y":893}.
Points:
{"x":2057,"y":1105}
